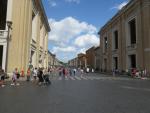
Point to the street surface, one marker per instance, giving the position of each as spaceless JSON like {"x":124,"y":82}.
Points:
{"x":92,"y":93}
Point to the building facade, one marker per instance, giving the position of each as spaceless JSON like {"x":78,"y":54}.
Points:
{"x":125,"y":39}
{"x":25,"y":42}
{"x":73,"y":62}
{"x":90,"y":57}
{"x":82,"y":60}
{"x":52,"y":60}
{"x":97,"y":63}
{"x":39,"y":38}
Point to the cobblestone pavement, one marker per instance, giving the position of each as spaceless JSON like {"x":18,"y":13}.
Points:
{"x":92,"y":93}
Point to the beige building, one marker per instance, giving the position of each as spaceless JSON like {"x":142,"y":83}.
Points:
{"x":90,"y":57}
{"x":125,"y":39}
{"x":52,"y":60}
{"x":82,"y":63}
{"x":97,"y":63}
{"x":27,"y":42}
{"x":73,"y":62}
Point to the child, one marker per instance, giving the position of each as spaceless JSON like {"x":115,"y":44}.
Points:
{"x":14,"y":78}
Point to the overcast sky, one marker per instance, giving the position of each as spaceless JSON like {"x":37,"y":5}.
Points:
{"x":75,"y":23}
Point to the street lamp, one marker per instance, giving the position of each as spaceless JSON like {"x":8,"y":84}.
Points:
{"x":9,"y":25}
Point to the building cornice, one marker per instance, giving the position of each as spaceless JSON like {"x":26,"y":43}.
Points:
{"x":118,"y":14}
{"x":44,"y":16}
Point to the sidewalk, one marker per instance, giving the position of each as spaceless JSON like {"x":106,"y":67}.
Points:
{"x":20,"y":79}
{"x":121,"y":75}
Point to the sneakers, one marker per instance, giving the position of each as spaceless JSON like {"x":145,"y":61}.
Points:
{"x":17,"y":84}
{"x":12,"y":84}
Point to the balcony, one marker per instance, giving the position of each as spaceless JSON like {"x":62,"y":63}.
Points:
{"x":132,"y":47}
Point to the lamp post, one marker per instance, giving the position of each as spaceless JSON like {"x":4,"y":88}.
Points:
{"x":9,"y":25}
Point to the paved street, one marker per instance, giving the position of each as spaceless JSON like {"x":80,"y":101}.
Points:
{"x":89,"y":94}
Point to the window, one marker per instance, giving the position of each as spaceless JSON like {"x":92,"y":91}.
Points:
{"x":3,"y":13}
{"x":132,"y":59}
{"x":105,"y":42}
{"x":105,"y":65}
{"x":132,"y":30}
{"x":116,"y":39}
{"x":1,"y":55}
{"x":115,"y":62}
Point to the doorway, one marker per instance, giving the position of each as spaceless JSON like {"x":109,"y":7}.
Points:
{"x":132,"y":61}
{"x":1,"y":55}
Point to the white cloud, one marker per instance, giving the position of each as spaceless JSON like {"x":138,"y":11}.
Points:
{"x":63,"y":49}
{"x":52,"y":3}
{"x":64,"y":30}
{"x":120,"y":6}
{"x":70,"y":36}
{"x":82,"y":50}
{"x":87,"y":40}
{"x":75,"y":1}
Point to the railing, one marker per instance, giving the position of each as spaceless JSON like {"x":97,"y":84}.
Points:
{"x":3,"y":33}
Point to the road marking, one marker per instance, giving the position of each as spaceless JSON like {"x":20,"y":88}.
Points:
{"x":77,"y":78}
{"x":70,"y":77}
{"x":84,"y":78}
{"x":60,"y":78}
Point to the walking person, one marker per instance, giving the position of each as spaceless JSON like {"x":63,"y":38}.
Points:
{"x":35,"y":71}
{"x":81,"y":72}
{"x":60,"y":71}
{"x":14,"y":77}
{"x":70,"y":72}
{"x":114,"y":72}
{"x":63,"y":71}
{"x":66,"y":73}
{"x":46,"y":77}
{"x":87,"y":70}
{"x":74,"y":71}
{"x":28,"y":74}
{"x":40,"y":76}
{"x":2,"y":78}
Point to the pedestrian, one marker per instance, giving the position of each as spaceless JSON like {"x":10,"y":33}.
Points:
{"x":133,"y":73}
{"x":81,"y":71}
{"x":35,"y":73}
{"x":114,"y":72}
{"x":22,"y":73}
{"x":87,"y":70}
{"x":74,"y":71}
{"x":66,"y":73}
{"x":92,"y":70}
{"x":14,"y":77}
{"x":28,"y":74}
{"x":70,"y":72}
{"x":2,"y":78}
{"x":60,"y":71}
{"x":40,"y":76}
{"x":63,"y":71}
{"x":46,"y":77}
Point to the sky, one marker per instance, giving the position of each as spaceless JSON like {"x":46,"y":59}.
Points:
{"x":75,"y":24}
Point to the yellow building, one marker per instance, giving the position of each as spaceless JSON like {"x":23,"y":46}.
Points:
{"x":125,"y":39}
{"x":27,"y":42}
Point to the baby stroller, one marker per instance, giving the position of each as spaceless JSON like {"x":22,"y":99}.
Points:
{"x":46,"y":79}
